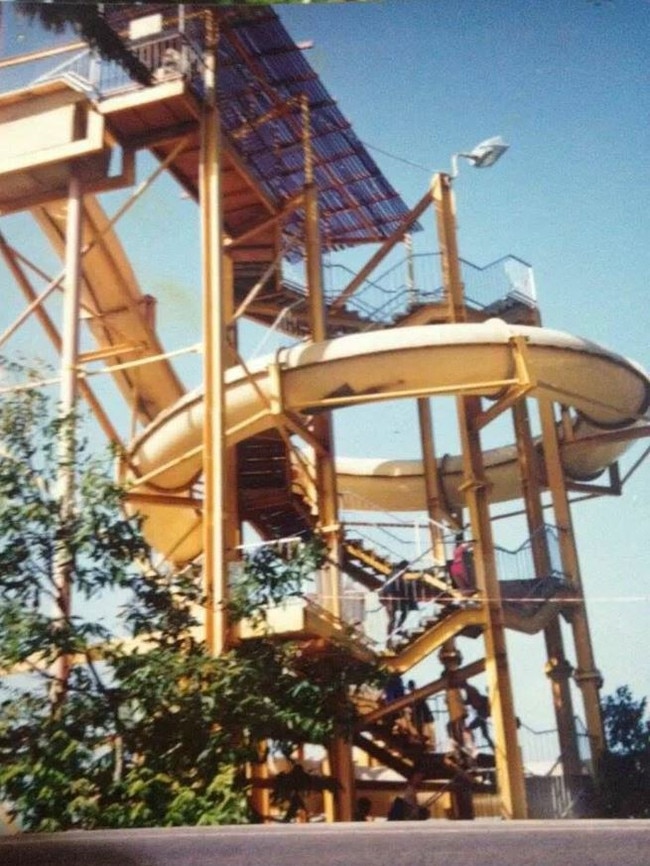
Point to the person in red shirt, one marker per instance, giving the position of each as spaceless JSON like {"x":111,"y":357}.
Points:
{"x":461,"y":569}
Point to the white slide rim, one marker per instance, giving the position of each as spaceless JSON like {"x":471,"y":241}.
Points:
{"x":606,"y":390}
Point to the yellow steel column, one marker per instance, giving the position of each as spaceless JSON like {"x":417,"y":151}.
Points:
{"x":508,"y":759}
{"x":342,"y":769}
{"x":214,"y":355}
{"x":451,"y":660}
{"x":449,"y":655}
{"x":329,"y":798}
{"x":443,"y":199}
{"x":587,"y":676}
{"x":67,"y":444}
{"x":431,"y":479}
{"x":558,"y":668}
{"x":231,"y":524}
{"x":322,"y":424}
{"x":260,"y":794}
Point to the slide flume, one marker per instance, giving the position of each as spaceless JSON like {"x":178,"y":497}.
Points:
{"x":606,"y":390}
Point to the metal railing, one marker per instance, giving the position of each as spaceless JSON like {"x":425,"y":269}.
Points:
{"x":406,"y":283}
{"x":414,"y":281}
{"x":519,"y":564}
{"x":167,"y":55}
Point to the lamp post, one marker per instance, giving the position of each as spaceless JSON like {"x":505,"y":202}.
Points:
{"x":507,"y":756}
{"x":484,"y":155}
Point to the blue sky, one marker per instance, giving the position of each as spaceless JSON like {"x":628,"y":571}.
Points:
{"x":566,"y":84}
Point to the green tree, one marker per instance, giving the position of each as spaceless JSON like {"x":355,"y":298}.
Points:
{"x":624,"y":776}
{"x":627,"y":728}
{"x":153,"y":730}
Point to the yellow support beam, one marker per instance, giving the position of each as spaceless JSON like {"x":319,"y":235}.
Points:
{"x":586,"y":675}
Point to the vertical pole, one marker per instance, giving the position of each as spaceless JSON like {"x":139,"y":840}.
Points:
{"x":322,"y":424}
{"x":587,"y":676}
{"x":260,"y":793}
{"x":329,"y":798}
{"x":451,"y":659}
{"x":64,"y":559}
{"x":508,"y":759}
{"x":431,"y":479}
{"x":558,"y":668}
{"x":232,"y":527}
{"x":71,"y":302}
{"x":342,"y":769}
{"x":443,"y":199}
{"x":410,"y":270}
{"x":214,"y":355}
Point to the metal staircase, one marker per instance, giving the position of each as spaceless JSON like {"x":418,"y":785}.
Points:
{"x":267,"y":499}
{"x":402,"y":753}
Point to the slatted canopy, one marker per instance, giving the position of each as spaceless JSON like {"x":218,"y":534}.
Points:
{"x":262,"y":75}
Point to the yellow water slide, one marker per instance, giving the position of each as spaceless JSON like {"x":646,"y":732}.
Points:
{"x":605,"y":390}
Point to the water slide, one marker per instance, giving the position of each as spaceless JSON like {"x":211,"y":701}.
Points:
{"x":606,"y":391}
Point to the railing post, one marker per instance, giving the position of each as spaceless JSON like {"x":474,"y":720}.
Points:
{"x":587,"y":675}
{"x":557,"y":668}
{"x":95,"y":71}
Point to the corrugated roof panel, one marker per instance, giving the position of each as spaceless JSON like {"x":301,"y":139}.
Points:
{"x":260,"y":69}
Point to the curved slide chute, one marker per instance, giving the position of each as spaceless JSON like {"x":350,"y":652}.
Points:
{"x":606,"y":391}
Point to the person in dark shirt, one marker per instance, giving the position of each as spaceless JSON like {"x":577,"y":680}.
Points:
{"x":398,"y":597}
{"x":481,"y":706}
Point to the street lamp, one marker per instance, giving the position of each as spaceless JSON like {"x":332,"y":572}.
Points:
{"x":508,"y":762}
{"x":485,"y":154}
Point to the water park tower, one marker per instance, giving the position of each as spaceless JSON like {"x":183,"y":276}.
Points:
{"x":229,"y":109}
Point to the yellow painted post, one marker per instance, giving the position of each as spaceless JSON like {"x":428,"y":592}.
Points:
{"x":322,"y":424}
{"x":66,"y":473}
{"x":558,"y":668}
{"x":587,"y":676}
{"x":232,"y":537}
{"x":451,"y":660}
{"x":260,"y":795}
{"x":443,"y":199}
{"x":508,"y":759}
{"x":329,"y":798}
{"x":342,"y":769}
{"x":450,"y":657}
{"x":509,"y":768}
{"x":431,"y":479}
{"x":214,"y":358}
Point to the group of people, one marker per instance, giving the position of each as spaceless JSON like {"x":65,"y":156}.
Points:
{"x":460,"y":757}
{"x":400,"y":593}
{"x":399,"y":596}
{"x":415,"y":721}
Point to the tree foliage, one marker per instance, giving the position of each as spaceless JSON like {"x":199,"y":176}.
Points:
{"x":626,"y":726}
{"x":624,"y":776}
{"x":153,"y":731}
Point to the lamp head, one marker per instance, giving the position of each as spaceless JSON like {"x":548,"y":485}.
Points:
{"x":487,"y":152}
